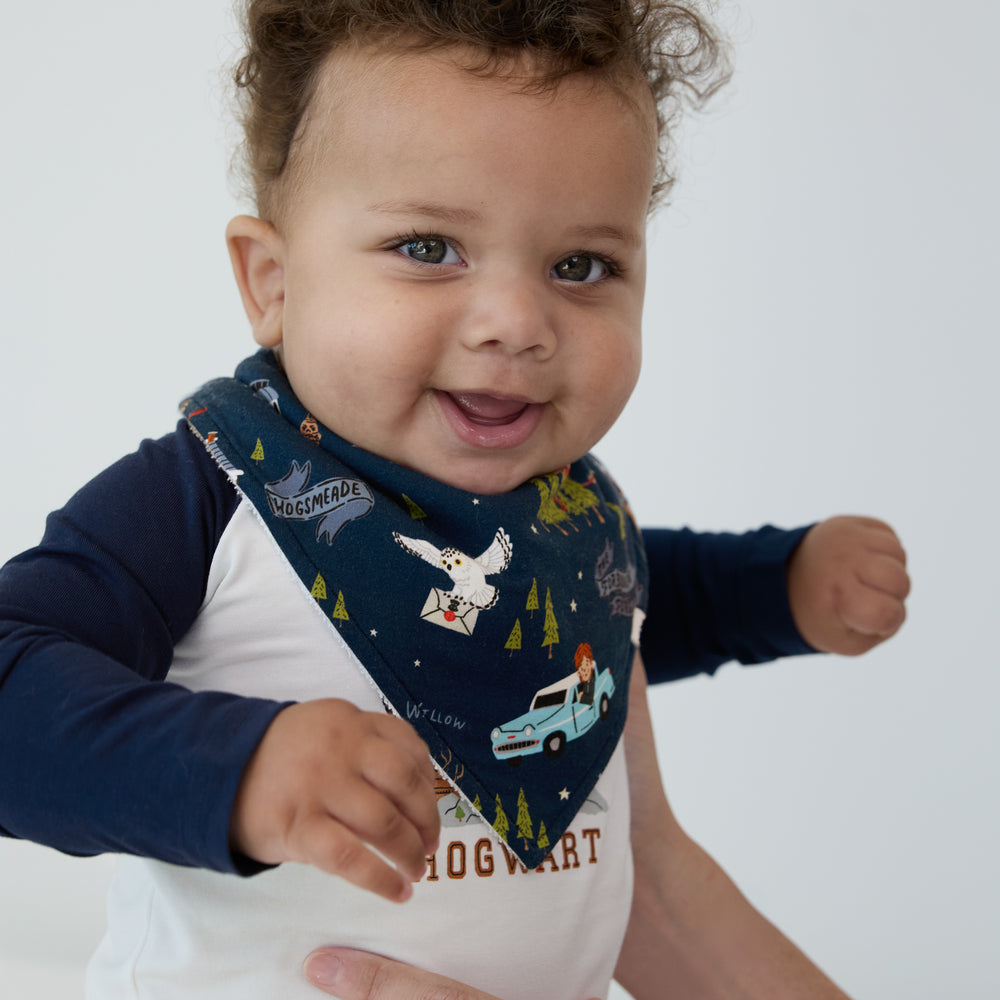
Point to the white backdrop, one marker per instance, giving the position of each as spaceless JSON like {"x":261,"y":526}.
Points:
{"x":821,"y":338}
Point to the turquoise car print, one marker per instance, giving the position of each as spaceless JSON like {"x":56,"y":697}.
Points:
{"x":556,"y":717}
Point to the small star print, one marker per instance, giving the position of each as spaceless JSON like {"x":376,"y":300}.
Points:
{"x":416,"y":663}
{"x":572,"y":605}
{"x":475,"y":503}
{"x":579,"y":575}
{"x":564,"y":794}
{"x":373,"y":633}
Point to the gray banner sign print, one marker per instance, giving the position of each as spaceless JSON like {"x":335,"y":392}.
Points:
{"x":334,"y":502}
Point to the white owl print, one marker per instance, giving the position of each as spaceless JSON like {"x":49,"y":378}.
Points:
{"x":468,"y":574}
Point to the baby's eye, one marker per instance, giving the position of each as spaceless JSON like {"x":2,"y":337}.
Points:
{"x":430,"y":250}
{"x":582,"y":267}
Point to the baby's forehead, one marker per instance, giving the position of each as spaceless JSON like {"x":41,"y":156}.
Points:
{"x":356,"y":72}
{"x":395,"y":126}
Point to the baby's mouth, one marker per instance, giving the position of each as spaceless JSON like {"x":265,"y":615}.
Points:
{"x":485,"y":421}
{"x":489,"y":411}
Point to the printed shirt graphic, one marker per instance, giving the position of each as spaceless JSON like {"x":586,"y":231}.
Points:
{"x":502,"y":627}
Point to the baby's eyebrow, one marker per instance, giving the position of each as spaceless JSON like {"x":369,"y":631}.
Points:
{"x":430,"y":210}
{"x":454,"y":215}
{"x":627,"y":237}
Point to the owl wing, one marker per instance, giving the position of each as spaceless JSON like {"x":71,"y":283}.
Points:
{"x":497,"y":557}
{"x":421,"y":548}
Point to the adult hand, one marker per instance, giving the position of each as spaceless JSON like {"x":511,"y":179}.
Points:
{"x":360,"y":975}
{"x":847,"y":585}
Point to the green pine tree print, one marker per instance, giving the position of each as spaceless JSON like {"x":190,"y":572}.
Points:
{"x":501,"y":824}
{"x":340,"y":610}
{"x":514,"y":639}
{"x":551,"y":625}
{"x":523,"y":819}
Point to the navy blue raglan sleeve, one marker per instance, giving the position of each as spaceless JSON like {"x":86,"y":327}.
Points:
{"x":97,"y":751}
{"x":716,"y":597}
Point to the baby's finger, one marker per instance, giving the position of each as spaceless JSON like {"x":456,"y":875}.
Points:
{"x":849,"y":643}
{"x":401,"y":733}
{"x":405,"y":785}
{"x":872,"y":613}
{"x":375,"y":819}
{"x":886,"y":574}
{"x":880,"y":537}
{"x":325,"y":843}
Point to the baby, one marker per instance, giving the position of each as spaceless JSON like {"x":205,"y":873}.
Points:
{"x":446,"y":279}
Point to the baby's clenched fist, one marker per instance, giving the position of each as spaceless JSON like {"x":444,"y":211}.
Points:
{"x":848,"y":584}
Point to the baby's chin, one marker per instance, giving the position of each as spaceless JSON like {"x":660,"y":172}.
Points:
{"x":489,"y":477}
{"x":482,"y":471}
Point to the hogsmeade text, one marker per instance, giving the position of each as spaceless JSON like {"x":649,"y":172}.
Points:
{"x":320,"y":498}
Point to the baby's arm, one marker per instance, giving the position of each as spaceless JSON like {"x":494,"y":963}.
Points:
{"x":329,"y":779}
{"x":97,"y":753}
{"x":715,"y":597}
{"x":769,"y":593}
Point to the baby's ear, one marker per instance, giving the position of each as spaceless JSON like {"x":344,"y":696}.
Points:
{"x":256,"y":250}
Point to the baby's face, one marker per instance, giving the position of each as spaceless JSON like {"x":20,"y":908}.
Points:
{"x":463,"y":266}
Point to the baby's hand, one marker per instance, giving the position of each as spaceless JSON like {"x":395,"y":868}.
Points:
{"x":328,"y":779}
{"x":847,"y":584}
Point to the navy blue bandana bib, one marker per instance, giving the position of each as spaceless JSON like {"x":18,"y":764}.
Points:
{"x":502,"y":627}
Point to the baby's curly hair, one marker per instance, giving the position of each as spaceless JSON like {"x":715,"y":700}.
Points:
{"x":672,"y":46}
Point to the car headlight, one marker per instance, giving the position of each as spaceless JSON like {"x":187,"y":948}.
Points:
{"x":495,"y":735}
{"x":528,"y":730}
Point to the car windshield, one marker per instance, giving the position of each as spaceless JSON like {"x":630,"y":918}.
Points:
{"x":549,"y":700}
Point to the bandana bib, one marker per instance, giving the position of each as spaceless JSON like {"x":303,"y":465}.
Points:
{"x":501,"y":627}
